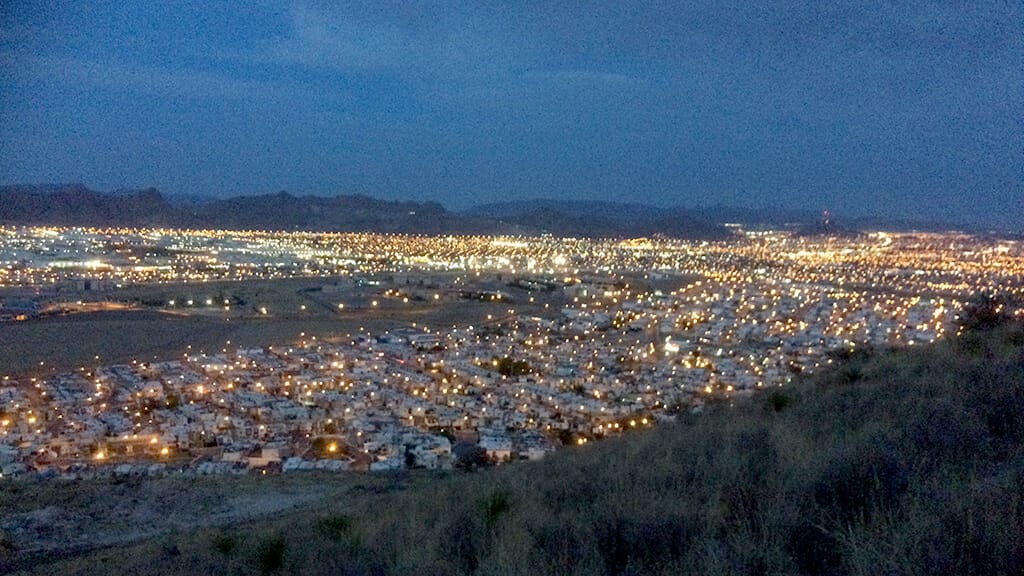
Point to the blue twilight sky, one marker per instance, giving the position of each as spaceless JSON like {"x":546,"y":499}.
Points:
{"x":904,"y":108}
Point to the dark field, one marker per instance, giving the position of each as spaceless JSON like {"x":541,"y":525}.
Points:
{"x":67,"y":342}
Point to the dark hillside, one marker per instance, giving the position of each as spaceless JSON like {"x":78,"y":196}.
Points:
{"x":283,"y":211}
{"x":603,"y":219}
{"x":76,"y":205}
{"x":907,"y":462}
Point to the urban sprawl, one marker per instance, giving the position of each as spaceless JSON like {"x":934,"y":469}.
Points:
{"x":644,"y":329}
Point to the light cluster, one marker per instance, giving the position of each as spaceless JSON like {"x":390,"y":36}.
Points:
{"x":621,"y":354}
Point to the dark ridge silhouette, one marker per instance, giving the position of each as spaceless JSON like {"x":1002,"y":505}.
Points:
{"x":74,"y":204}
{"x":77,"y":205}
{"x":594,"y":218}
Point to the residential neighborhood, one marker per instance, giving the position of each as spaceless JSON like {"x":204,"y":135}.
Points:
{"x":618,"y":356}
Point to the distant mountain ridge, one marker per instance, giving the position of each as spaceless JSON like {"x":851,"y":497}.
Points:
{"x":356,"y":213}
{"x":582,"y":217}
{"x":77,"y":205}
{"x":569,"y":217}
{"x":74,"y":204}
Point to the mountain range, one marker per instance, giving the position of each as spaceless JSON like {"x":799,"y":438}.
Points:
{"x":77,"y":205}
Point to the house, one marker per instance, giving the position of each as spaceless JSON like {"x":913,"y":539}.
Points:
{"x":497,"y":445}
{"x":263,"y":457}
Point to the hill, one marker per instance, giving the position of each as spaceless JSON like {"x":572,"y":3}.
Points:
{"x":76,"y":205}
{"x":283,"y":211}
{"x":590,"y":218}
{"x":901,"y":462}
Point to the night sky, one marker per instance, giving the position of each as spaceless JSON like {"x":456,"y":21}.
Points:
{"x":906,"y":109}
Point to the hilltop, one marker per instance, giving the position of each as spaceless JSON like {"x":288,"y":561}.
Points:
{"x":907,"y":461}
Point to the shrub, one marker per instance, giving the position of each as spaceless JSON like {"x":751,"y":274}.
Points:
{"x":984,"y":312}
{"x":614,"y":545}
{"x":270,"y":554}
{"x":943,"y":435}
{"x":857,"y":482}
{"x":496,"y":505}
{"x":778,"y":401}
{"x":561,"y":544}
{"x":7,"y":549}
{"x":815,"y":551}
{"x":641,"y":543}
{"x":224,"y":544}
{"x":850,"y":373}
{"x":463,"y":545}
{"x":334,"y":527}
{"x":470,"y":457}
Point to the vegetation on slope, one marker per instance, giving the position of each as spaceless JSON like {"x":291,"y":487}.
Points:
{"x":909,"y":462}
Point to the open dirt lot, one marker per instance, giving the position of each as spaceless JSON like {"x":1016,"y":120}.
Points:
{"x":60,"y":343}
{"x":42,"y":521}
